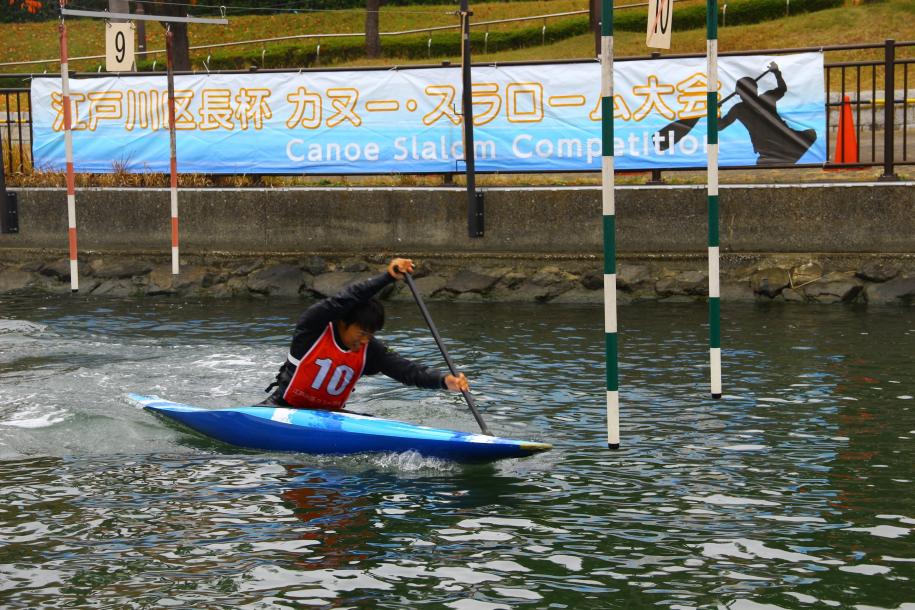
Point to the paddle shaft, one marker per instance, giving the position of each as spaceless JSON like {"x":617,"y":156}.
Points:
{"x":682,"y":127}
{"x":441,"y":346}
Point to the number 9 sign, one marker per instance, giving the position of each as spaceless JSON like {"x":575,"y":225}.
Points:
{"x":119,"y":47}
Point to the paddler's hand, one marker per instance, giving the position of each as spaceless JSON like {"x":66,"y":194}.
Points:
{"x":457,"y":384}
{"x":398,"y":266}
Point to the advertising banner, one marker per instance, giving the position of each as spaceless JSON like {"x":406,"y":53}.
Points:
{"x":526,"y":119}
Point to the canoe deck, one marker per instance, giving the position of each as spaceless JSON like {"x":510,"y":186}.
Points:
{"x":334,"y":432}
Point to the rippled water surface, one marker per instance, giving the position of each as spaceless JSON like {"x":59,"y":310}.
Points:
{"x":793,"y":491}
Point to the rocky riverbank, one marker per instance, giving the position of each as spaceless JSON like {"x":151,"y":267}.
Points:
{"x":791,"y":278}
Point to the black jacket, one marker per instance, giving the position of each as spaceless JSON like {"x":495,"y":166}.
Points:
{"x":379,"y":357}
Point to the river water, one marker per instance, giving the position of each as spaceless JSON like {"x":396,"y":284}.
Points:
{"x":793,"y":491}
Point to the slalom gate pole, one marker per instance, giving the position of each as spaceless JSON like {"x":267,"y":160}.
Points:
{"x":173,"y":152}
{"x":609,"y":218}
{"x":714,"y":282}
{"x":68,"y":146}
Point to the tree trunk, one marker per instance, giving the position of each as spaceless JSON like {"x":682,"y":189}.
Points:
{"x":594,"y":14}
{"x":372,"y":35}
{"x":118,"y":6}
{"x":181,"y":55}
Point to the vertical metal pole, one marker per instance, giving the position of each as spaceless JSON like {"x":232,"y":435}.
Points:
{"x":714,"y":290}
{"x":655,"y":173}
{"x":68,"y":146}
{"x":889,"y":107}
{"x":173,"y":158}
{"x":609,"y":217}
{"x":474,"y":200}
{"x":2,"y":163}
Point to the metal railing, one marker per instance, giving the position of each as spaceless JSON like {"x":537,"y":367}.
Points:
{"x":884,"y":115}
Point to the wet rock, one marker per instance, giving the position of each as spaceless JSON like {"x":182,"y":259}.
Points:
{"x":119,"y":269}
{"x":246,"y":267}
{"x":631,"y":277}
{"x":694,"y":283}
{"x":512,"y":279}
{"x":429,"y":285}
{"x":115,"y":288}
{"x":580,"y":295}
{"x":834,"y":288}
{"x":806,"y":273}
{"x":11,"y":280}
{"x":769,"y":282}
{"x":213,"y":278}
{"x":188,"y":281}
{"x":737,"y":291}
{"x":315,"y":265}
{"x":355,"y":266}
{"x":547,"y":276}
{"x":278,"y":280}
{"x":32,"y":266}
{"x":469,"y":297}
{"x":900,"y":290}
{"x":833,"y":292}
{"x":593,"y":280}
{"x":878,"y":271}
{"x":329,"y":284}
{"x":794,"y":296}
{"x":471,"y":281}
{"x":233,"y":286}
{"x":555,"y":280}
{"x":60,"y":270}
{"x":526,"y":293}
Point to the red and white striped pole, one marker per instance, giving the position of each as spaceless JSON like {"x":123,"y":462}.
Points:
{"x":172,"y":148}
{"x":68,"y":145}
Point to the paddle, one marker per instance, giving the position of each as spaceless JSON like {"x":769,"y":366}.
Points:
{"x":441,"y":346}
{"x":680,"y":128}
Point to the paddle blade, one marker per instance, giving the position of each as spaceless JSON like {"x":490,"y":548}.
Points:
{"x":675,"y":131}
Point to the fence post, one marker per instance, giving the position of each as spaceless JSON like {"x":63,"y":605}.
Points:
{"x":889,"y":107}
{"x":9,"y":217}
{"x":475,"y":209}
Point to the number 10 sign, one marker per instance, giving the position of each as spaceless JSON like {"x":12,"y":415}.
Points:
{"x":660,"y":23}
{"x":119,"y":45}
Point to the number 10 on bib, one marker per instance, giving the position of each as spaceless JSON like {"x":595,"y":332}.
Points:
{"x":660,"y":23}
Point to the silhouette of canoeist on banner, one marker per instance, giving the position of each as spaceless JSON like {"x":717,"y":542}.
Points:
{"x":773,"y":140}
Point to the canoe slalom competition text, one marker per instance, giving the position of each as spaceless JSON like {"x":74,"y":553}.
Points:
{"x":526,"y":118}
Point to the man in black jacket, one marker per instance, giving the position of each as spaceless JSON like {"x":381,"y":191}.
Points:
{"x":334,"y":344}
{"x":773,"y":140}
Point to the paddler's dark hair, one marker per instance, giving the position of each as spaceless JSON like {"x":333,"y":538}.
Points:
{"x":368,"y":315}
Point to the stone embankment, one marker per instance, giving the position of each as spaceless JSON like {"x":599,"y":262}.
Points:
{"x":779,"y":277}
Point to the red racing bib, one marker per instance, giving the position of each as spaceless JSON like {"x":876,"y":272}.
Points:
{"x":325,"y":376}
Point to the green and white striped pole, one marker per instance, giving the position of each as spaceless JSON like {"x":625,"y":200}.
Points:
{"x":714,"y":284}
{"x":609,"y":213}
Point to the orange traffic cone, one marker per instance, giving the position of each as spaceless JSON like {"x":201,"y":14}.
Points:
{"x":846,"y":141}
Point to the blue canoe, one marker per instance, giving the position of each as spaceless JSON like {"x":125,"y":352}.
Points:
{"x":315,"y":431}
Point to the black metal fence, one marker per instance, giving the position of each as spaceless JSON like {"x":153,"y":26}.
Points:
{"x":876,"y":89}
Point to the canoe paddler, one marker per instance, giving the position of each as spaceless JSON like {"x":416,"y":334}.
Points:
{"x":334,"y":344}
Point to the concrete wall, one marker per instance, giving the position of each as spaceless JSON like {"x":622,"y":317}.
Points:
{"x":878,"y":217}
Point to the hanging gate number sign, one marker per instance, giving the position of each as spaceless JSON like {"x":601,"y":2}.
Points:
{"x":119,"y":46}
{"x":660,"y":23}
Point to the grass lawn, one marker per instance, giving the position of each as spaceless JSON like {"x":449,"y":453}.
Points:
{"x":872,"y":22}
